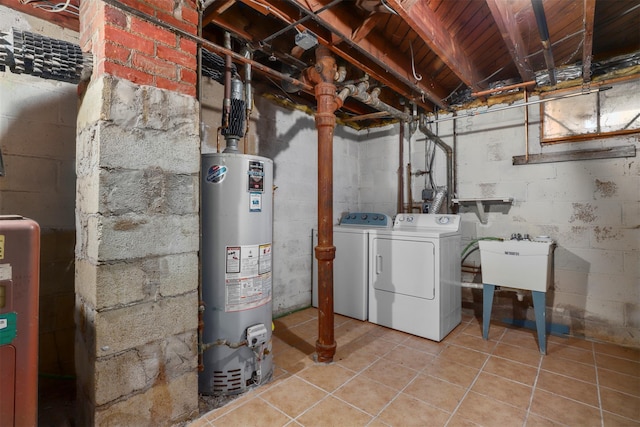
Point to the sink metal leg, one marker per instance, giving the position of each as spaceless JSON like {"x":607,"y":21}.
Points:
{"x":539,"y":308}
{"x":487,"y":304}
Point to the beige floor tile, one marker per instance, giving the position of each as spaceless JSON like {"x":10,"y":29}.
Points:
{"x":378,"y":423}
{"x":293,"y":396}
{"x":452,"y":372}
{"x":328,"y":377}
{"x":464,"y":356}
{"x":375,"y":346}
{"x":366,"y":394}
{"x":457,"y":421}
{"x":570,"y":341}
{"x":485,"y":411}
{"x":518,"y":354}
{"x":504,"y":390}
{"x":570,"y":352}
{"x":568,"y":387}
{"x":563,"y":410}
{"x":295,"y":318}
{"x":293,"y":360}
{"x":624,"y":366}
{"x":356,"y":360}
{"x":407,"y":411}
{"x":390,"y":374}
{"x":200,"y":422}
{"x":256,"y":413}
{"x":389,"y":334}
{"x":570,"y":368}
{"x":475,"y":329}
{"x":425,"y":345}
{"x":523,"y":338}
{"x":621,"y":404}
{"x":618,"y":351}
{"x":333,"y":412}
{"x":436,"y":392}
{"x":613,"y":420}
{"x":625,"y":383}
{"x":410,"y":358}
{"x":473,"y":342}
{"x":232,"y":403}
{"x":511,"y":370}
{"x":307,"y":331}
{"x":534,"y":420}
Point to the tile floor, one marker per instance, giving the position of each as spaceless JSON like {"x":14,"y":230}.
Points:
{"x":382,"y":377}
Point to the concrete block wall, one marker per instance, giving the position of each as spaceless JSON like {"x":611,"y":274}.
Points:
{"x":138,"y":161}
{"x":37,"y":139}
{"x":590,"y":208}
{"x":290,"y":139}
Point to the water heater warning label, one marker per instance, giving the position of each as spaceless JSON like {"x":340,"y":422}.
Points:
{"x":1,"y":246}
{"x":248,"y":277}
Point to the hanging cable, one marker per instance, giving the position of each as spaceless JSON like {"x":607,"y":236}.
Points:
{"x":418,"y":77}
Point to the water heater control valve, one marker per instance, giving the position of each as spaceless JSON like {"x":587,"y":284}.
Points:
{"x":256,"y":335}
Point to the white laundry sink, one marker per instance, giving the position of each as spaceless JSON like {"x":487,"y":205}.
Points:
{"x":519,"y":264}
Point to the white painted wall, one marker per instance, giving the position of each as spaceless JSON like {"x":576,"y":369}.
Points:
{"x":591,"y":208}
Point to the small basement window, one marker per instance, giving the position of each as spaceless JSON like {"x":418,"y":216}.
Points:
{"x":611,"y":112}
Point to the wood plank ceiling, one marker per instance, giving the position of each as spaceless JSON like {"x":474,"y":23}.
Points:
{"x":433,"y":53}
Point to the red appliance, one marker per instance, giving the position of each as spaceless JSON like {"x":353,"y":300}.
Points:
{"x":19,"y":288}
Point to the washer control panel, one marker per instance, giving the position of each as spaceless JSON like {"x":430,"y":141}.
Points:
{"x":366,"y":219}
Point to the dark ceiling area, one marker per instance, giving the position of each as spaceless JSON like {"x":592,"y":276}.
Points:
{"x":431,"y":53}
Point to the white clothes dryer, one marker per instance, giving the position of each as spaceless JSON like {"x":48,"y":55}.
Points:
{"x":351,"y":265}
{"x":414,"y":275}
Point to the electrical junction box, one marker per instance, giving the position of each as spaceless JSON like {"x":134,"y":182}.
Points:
{"x":256,"y":335}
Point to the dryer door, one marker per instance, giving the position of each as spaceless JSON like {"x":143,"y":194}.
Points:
{"x":402,"y":265}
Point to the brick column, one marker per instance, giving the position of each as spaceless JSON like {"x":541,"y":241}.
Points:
{"x":138,"y":155}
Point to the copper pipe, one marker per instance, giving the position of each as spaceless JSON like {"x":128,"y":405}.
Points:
{"x":526,"y":126}
{"x":400,"y":207}
{"x":322,"y":74}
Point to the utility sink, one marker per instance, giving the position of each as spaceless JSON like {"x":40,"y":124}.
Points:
{"x":520,"y":264}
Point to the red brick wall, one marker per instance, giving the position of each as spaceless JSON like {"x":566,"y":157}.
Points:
{"x":131,"y":48}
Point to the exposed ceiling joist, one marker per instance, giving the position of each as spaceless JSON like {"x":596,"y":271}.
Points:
{"x":428,"y":25}
{"x":506,"y":22}
{"x":587,"y":48}
{"x":386,"y":65}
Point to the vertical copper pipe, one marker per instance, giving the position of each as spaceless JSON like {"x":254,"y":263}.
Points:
{"x":526,"y":126}
{"x":400,"y":207}
{"x":323,"y":74}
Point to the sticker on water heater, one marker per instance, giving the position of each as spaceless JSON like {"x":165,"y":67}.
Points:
{"x":245,"y":294}
{"x":264,"y":266}
{"x":256,"y":176}
{"x":216,"y":174}
{"x":255,"y":202}
{"x":1,"y":246}
{"x":233,"y":259}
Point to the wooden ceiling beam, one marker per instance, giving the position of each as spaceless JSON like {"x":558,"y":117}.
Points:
{"x":64,"y":19}
{"x":431,"y":29}
{"x":372,"y":54}
{"x":508,"y":26}
{"x":587,"y":45}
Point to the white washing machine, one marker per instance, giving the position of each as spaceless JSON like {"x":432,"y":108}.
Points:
{"x":351,"y":265}
{"x":414,"y":275}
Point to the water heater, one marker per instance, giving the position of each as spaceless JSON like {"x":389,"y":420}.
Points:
{"x":237,"y":229}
